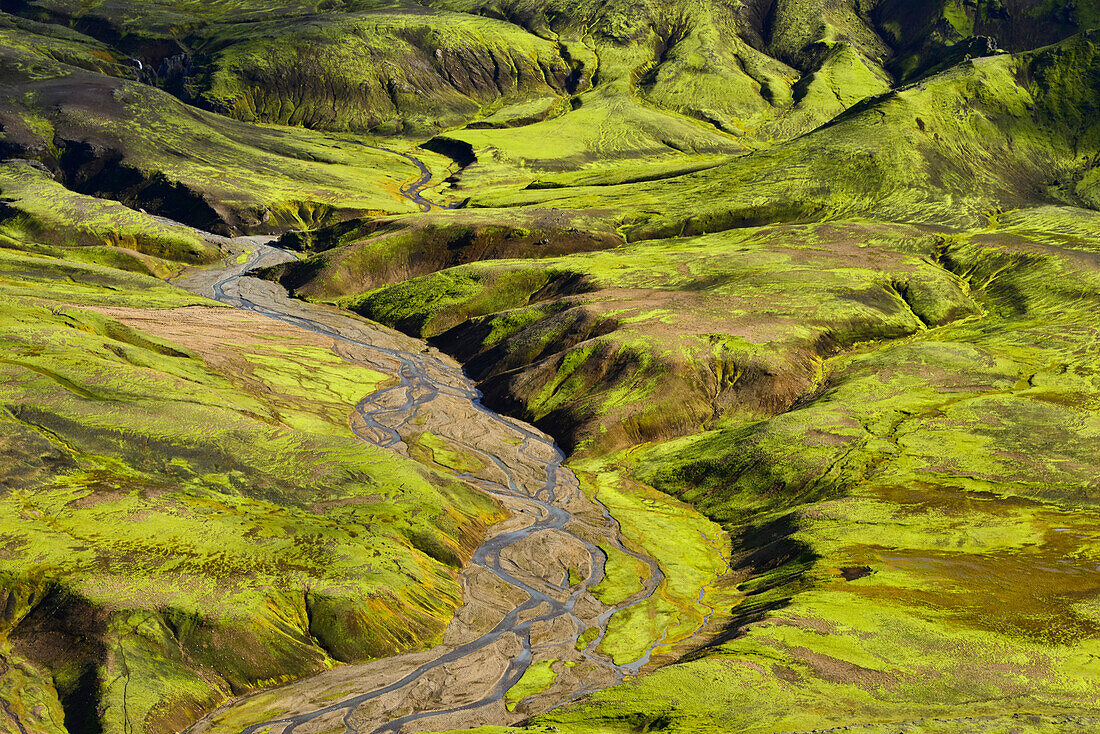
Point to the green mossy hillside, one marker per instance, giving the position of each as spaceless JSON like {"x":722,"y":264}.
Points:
{"x":868,"y":354}
{"x":186,"y":522}
{"x":605,"y":81}
{"x":916,"y":538}
{"x":413,"y":73}
{"x":36,"y":209}
{"x":123,"y":140}
{"x":744,"y":75}
{"x":361,"y":255}
{"x":827,"y":271}
{"x":585,"y":345}
{"x":651,"y":340}
{"x":990,"y":134}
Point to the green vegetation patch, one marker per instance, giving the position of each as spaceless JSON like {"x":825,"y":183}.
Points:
{"x":442,"y":453}
{"x":444,"y":299}
{"x":688,"y":549}
{"x":536,"y":679}
{"x":624,"y":576}
{"x":854,"y":328}
{"x":303,"y":377}
{"x":915,"y":541}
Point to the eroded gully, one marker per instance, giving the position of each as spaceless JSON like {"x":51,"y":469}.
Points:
{"x":521,"y":604}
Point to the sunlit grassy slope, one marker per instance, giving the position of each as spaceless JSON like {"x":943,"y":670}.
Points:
{"x":602,"y":79}
{"x":116,"y":138}
{"x":997,"y":132}
{"x":182,"y":521}
{"x":111,"y":96}
{"x":918,"y":534}
{"x":646,"y":340}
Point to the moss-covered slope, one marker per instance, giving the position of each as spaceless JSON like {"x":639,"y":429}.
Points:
{"x":917,"y":536}
{"x":754,"y":71}
{"x":874,"y":346}
{"x":184,"y":511}
{"x":588,"y":344}
{"x":116,"y":138}
{"x":993,"y":133}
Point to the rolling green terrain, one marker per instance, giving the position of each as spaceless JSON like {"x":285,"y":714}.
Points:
{"x":181,"y":522}
{"x":823,"y":272}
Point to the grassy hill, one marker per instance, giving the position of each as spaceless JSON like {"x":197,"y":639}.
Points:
{"x":584,"y":342}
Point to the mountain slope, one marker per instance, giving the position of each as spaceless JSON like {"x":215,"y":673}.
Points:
{"x":559,"y":338}
{"x":999,"y":132}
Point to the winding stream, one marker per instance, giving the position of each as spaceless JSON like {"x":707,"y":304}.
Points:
{"x":413,"y":190}
{"x":524,"y":471}
{"x":554,"y":526}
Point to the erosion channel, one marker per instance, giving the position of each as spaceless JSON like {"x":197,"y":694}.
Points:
{"x":528,"y":590}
